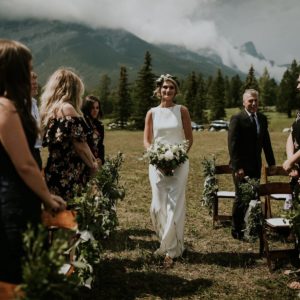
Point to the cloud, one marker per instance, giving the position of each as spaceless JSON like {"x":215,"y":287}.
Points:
{"x":187,"y":23}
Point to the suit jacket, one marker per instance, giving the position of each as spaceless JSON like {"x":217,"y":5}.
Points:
{"x":245,"y":145}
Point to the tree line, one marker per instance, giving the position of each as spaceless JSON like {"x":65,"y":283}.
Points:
{"x":129,"y":102}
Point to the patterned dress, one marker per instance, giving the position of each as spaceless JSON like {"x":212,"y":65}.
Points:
{"x":65,"y":169}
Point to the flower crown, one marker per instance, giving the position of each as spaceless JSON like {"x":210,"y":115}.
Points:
{"x":165,"y":77}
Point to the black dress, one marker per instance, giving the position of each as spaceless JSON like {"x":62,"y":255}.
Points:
{"x":65,"y":169}
{"x":18,"y":206}
{"x":95,"y":138}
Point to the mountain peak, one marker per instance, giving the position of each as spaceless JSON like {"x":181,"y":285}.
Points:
{"x":249,"y":48}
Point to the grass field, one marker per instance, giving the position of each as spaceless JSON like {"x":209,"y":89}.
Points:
{"x":215,"y":266}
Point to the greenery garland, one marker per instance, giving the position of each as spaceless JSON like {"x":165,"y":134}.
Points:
{"x":96,"y":217}
{"x":210,"y":188}
{"x":42,"y":278}
{"x":248,"y":191}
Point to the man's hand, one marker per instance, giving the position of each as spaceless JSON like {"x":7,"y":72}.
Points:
{"x":239,"y":174}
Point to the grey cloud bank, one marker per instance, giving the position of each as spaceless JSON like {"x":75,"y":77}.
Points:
{"x":195,"y":24}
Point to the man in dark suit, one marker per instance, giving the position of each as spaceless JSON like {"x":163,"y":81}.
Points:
{"x":248,"y":135}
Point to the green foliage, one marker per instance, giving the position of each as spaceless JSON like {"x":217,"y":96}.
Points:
{"x":41,"y":266}
{"x":210,"y":188}
{"x":122,"y":108}
{"x":96,"y":206}
{"x":248,"y":190}
{"x":143,"y":92}
{"x":251,"y":82}
{"x":217,"y":93}
{"x":288,"y":97}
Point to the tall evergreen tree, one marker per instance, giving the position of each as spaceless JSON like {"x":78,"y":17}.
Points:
{"x":123,"y":103}
{"x":191,"y":93}
{"x":251,"y":82}
{"x":267,"y":95}
{"x":228,"y":96}
{"x":218,"y":97}
{"x":104,"y":93}
{"x":143,"y":92}
{"x":199,"y":112}
{"x":236,"y":86}
{"x":288,"y":97}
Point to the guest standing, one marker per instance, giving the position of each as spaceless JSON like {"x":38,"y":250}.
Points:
{"x":248,"y":135}
{"x":70,"y":160}
{"x":35,"y":113}
{"x":22,"y":188}
{"x":168,"y":123}
{"x":93,"y":113}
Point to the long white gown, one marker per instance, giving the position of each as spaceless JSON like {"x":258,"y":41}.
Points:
{"x":168,"y":192}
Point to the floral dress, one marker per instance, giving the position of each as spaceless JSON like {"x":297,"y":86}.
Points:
{"x":95,"y":138}
{"x":65,"y":169}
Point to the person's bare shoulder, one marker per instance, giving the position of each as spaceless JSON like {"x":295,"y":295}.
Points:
{"x":68,"y":110}
{"x":6,"y":105}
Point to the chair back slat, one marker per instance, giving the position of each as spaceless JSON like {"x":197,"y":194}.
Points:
{"x":270,"y":188}
{"x":223,"y":169}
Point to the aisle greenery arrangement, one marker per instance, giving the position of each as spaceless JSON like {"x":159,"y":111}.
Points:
{"x":210,"y":188}
{"x":43,"y":275}
{"x":42,"y":278}
{"x":248,"y":193}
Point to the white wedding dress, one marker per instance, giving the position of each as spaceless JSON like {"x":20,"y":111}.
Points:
{"x":168,"y":192}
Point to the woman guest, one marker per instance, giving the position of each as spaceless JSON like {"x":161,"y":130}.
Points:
{"x":92,"y":112}
{"x":168,"y":123}
{"x":70,"y":160}
{"x":22,"y":188}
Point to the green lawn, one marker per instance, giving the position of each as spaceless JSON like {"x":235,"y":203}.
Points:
{"x":214,"y":267}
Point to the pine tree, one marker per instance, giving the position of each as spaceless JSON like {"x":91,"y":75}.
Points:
{"x":123,"y":103}
{"x":236,"y":86}
{"x":191,"y":93}
{"x":228,"y":96}
{"x":199,"y":113}
{"x":251,"y":82}
{"x":104,"y":93}
{"x":143,"y":92}
{"x":218,"y":97}
{"x":288,"y":97}
{"x":267,"y":94}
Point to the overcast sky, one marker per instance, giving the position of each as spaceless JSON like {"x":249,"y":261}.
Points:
{"x":218,"y":24}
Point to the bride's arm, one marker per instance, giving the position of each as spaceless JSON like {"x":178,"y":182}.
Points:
{"x":148,"y":130}
{"x":187,"y":126}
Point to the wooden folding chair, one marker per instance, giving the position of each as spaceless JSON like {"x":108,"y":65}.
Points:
{"x":222,"y":194}
{"x":278,"y":175}
{"x":278,"y":226}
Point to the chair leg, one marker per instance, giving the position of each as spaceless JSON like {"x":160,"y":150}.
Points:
{"x":215,"y":210}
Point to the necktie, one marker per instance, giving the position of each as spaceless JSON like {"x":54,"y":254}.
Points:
{"x":252,"y":117}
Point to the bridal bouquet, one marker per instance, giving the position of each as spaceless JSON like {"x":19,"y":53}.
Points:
{"x":167,"y":157}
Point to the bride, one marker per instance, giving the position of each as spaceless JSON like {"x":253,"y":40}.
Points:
{"x":168,"y":123}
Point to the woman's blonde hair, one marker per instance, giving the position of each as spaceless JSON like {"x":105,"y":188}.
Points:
{"x":63,"y":86}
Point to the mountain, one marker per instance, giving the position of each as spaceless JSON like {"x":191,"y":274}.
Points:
{"x":249,"y":48}
{"x":93,"y":52}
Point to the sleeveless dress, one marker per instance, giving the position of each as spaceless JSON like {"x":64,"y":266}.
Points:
{"x":18,"y":206}
{"x":168,"y":192}
{"x":65,"y":169}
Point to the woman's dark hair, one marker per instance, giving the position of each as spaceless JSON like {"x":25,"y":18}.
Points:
{"x":88,"y":105}
{"x":15,"y":80}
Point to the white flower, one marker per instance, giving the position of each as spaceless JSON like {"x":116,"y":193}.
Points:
{"x":169,"y":155}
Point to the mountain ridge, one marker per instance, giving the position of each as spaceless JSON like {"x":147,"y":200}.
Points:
{"x":94,"y":52}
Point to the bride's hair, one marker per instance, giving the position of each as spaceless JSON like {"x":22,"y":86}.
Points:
{"x":159,"y":82}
